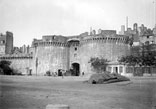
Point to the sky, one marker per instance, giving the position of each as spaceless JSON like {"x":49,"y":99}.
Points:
{"x":29,"y":19}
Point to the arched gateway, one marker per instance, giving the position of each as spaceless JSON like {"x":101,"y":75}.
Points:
{"x":76,"y":69}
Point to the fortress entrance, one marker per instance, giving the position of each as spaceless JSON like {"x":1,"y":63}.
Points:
{"x":76,"y":69}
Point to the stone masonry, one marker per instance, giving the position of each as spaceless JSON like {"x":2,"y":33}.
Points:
{"x":52,"y":53}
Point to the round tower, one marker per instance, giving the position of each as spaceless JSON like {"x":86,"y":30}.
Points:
{"x":107,"y":45}
{"x":51,"y":54}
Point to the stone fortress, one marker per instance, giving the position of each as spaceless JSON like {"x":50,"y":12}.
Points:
{"x":55,"y":52}
{"x":59,"y":52}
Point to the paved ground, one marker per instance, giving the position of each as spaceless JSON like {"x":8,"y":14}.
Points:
{"x":26,"y":92}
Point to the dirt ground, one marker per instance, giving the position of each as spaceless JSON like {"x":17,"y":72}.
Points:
{"x":30,"y":92}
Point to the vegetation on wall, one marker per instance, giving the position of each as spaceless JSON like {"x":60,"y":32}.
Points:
{"x":5,"y":67}
{"x":99,"y":64}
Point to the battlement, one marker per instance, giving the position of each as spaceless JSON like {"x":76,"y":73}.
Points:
{"x":113,"y":38}
{"x":50,"y":44}
{"x":51,"y":40}
{"x":54,"y":38}
{"x":102,"y":36}
{"x":15,"y":56}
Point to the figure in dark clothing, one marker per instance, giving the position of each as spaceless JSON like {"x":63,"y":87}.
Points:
{"x":82,"y":73}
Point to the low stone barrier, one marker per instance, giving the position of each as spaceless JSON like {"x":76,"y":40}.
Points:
{"x":57,"y":106}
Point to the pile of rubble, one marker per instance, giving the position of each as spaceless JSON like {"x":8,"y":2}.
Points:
{"x":106,"y":77}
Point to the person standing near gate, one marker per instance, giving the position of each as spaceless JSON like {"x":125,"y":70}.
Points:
{"x":62,"y":71}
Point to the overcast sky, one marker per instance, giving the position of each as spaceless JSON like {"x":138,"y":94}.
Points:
{"x":29,"y":19}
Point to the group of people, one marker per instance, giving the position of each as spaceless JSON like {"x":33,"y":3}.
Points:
{"x":63,"y":73}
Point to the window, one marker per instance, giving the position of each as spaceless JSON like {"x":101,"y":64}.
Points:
{"x":75,"y":48}
{"x":54,"y":37}
{"x":121,"y":69}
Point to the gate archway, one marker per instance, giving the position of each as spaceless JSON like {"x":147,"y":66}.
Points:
{"x":76,"y":69}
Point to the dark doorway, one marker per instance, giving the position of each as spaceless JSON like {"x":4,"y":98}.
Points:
{"x":59,"y":72}
{"x":76,"y":69}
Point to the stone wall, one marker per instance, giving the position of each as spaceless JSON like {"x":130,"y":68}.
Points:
{"x":21,"y":64}
{"x":51,"y":58}
{"x":108,"y":48}
{"x":2,"y":49}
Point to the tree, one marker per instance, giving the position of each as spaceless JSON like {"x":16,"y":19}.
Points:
{"x":146,"y":60}
{"x":5,"y":67}
{"x":99,"y":64}
{"x":149,"y":60}
{"x":130,"y":60}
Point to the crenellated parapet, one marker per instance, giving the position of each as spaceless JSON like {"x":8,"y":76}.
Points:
{"x":104,"y":36}
{"x":51,"y":40}
{"x":14,"y":57}
{"x":60,"y":44}
{"x":105,"y":39}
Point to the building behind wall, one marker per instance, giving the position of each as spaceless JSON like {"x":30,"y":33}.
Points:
{"x":6,"y":43}
{"x":140,"y":35}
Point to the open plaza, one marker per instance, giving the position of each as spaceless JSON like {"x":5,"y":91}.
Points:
{"x":36,"y":92}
